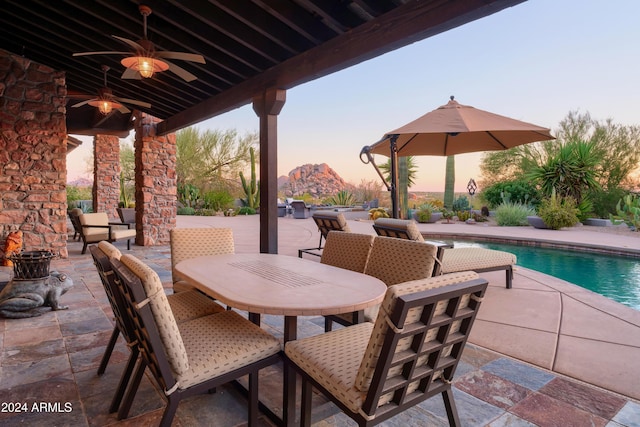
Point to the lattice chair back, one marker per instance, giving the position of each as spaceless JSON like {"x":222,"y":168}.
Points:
{"x":399,"y":228}
{"x":417,"y":341}
{"x":347,"y":250}
{"x":395,"y":260}
{"x":187,"y":243}
{"x":330,"y":221}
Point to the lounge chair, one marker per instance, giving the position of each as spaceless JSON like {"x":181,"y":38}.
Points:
{"x":326,"y":221}
{"x":97,"y":227}
{"x":373,"y":372}
{"x":451,"y":259}
{"x":74,"y":217}
{"x":300,"y":209}
{"x":127,"y":215}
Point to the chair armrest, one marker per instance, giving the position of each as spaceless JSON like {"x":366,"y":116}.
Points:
{"x":128,"y":224}
{"x":96,"y":226}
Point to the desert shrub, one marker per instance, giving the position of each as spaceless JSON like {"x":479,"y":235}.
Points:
{"x":217,"y":200}
{"x":463,"y":215}
{"x":342,"y":198}
{"x":206,"y":212}
{"x":513,"y":214}
{"x":628,"y":211}
{"x":246,"y":210}
{"x":423,"y":215}
{"x":376,"y":213}
{"x":520,"y":191}
{"x":77,"y":193}
{"x":186,"y":210}
{"x":558,"y":212}
{"x":461,"y":204}
{"x":604,"y":202}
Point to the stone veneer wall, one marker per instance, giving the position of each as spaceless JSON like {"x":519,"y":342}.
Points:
{"x":156,"y":195}
{"x":106,"y":178}
{"x":33,"y":149}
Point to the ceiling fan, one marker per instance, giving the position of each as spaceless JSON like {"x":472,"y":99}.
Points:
{"x":146,"y":60}
{"x":107,"y":102}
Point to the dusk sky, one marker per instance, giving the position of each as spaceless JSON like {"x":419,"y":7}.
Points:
{"x":535,"y":62}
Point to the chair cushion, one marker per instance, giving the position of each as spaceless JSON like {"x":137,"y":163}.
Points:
{"x":187,"y":243}
{"x":122,"y":233}
{"x":347,"y":250}
{"x":220,"y":343}
{"x":407,"y":225}
{"x":460,"y":259}
{"x":371,"y":356}
{"x":333,"y":359}
{"x":162,"y":313}
{"x":109,"y":250}
{"x":192,"y":304}
{"x":399,"y":260}
{"x":331,"y":216}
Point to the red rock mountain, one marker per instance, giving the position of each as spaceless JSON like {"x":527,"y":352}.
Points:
{"x":317,"y":180}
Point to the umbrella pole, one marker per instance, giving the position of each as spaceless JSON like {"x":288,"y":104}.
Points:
{"x":394,"y":176}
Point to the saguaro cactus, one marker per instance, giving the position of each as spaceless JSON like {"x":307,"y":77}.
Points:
{"x":251,"y":188}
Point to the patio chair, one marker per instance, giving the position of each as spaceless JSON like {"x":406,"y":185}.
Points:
{"x":74,"y":217}
{"x":96,"y":227}
{"x":326,"y":221}
{"x":127,"y":215}
{"x":351,"y":252}
{"x":185,"y":306}
{"x":300,"y":209}
{"x":187,"y":243}
{"x":451,"y":259}
{"x":194,"y":356}
{"x":373,"y":372}
{"x":393,"y":261}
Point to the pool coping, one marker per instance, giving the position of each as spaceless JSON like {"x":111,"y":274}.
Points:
{"x":536,"y":242}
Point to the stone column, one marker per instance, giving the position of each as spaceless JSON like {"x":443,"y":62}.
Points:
{"x":156,"y":192}
{"x":106,"y":175}
{"x":33,"y":149}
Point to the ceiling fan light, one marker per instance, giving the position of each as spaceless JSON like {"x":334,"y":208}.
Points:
{"x":105,"y":106}
{"x":145,"y":65}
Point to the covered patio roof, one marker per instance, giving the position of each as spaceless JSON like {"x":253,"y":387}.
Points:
{"x":254,"y":51}
{"x":248,"y":46}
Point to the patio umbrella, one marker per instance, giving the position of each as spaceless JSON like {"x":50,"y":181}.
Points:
{"x":452,"y":129}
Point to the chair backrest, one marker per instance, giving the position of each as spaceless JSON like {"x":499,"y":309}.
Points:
{"x":127,"y":215}
{"x":102,"y":260}
{"x":399,"y":228}
{"x":187,"y":243}
{"x":397,"y":260}
{"x":162,"y":313}
{"x":330,"y":221}
{"x":94,"y":234}
{"x":74,"y":216}
{"x":347,"y":250}
{"x":147,"y":331}
{"x":427,"y":321}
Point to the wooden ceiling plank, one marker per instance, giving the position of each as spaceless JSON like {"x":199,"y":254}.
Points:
{"x":406,"y":24}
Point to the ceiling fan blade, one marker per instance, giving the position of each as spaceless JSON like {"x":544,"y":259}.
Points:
{"x":133,"y":102}
{"x":123,"y":110}
{"x":101,"y":53}
{"x":131,"y":74}
{"x":80,"y":104}
{"x":184,"y":56}
{"x":187,"y":76}
{"x":131,"y":43}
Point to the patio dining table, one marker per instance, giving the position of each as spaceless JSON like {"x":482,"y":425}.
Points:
{"x":282,"y":285}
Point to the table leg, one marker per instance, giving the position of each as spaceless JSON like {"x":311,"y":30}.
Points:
{"x":289,"y":378}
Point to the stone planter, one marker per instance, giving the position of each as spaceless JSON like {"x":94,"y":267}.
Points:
{"x":597,"y":222}
{"x":537,"y":222}
{"x":435,"y":216}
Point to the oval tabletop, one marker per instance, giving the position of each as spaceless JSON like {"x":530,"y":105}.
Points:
{"x":281,"y":285}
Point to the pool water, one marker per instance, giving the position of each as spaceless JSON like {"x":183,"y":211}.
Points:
{"x":615,"y":277}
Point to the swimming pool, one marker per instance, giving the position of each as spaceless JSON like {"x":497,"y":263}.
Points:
{"x":615,"y":277}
